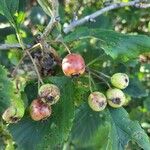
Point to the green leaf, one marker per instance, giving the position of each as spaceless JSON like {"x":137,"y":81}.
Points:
{"x":86,"y":125}
{"x":46,"y":6}
{"x":117,"y":45}
{"x":37,"y":15}
{"x":136,"y":89}
{"x":8,"y":8}
{"x":147,"y":103}
{"x":14,"y":55}
{"x":123,"y":130}
{"x":6,"y":142}
{"x":8,"y":95}
{"x":101,"y":139}
{"x":21,"y":17}
{"x":5,"y":90}
{"x":50,"y":133}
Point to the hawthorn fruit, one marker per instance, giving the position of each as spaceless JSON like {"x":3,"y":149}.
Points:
{"x":73,"y":65}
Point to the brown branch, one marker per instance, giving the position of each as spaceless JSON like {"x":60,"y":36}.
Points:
{"x":54,"y":18}
{"x":24,"y":55}
{"x":35,"y":66}
{"x":135,"y":3}
{"x":11,"y":46}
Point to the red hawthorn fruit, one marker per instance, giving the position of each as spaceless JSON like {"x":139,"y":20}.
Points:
{"x":73,"y":65}
{"x":39,"y":110}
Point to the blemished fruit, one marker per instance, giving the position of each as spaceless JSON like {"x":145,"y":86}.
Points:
{"x":49,"y":93}
{"x":116,"y":98}
{"x":120,"y":80}
{"x":10,"y":115}
{"x":73,"y":65}
{"x":97,"y":101}
{"x":39,"y":110}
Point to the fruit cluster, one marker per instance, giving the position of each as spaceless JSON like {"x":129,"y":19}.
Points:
{"x":114,"y":96}
{"x":49,"y":94}
{"x":40,"y":108}
{"x":73,"y":65}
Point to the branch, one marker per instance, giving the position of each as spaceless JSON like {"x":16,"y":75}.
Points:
{"x":54,"y":17}
{"x":9,"y":46}
{"x":144,"y":6}
{"x":35,"y":66}
{"x":34,"y":47}
{"x":12,"y":46}
{"x":135,"y":3}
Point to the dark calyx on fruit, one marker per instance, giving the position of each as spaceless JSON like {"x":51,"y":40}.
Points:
{"x":49,"y":98}
{"x":126,"y":80}
{"x":101,"y":104}
{"x":75,"y":75}
{"x":116,"y":100}
{"x":14,"y":119}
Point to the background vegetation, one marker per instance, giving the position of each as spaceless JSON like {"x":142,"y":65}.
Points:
{"x":116,"y":41}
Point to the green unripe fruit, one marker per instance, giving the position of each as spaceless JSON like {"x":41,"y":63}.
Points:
{"x":115,"y":97}
{"x":97,"y":101}
{"x":11,"y":115}
{"x":120,"y":80}
{"x":49,"y":93}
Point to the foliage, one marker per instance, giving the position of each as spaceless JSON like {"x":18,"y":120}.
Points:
{"x":117,"y":42}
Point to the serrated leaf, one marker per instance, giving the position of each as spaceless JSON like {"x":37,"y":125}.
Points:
{"x":46,"y":7}
{"x":86,"y":124}
{"x":8,"y":8}
{"x":147,"y":103}
{"x":101,"y":140}
{"x":52,"y":132}
{"x":21,"y":17}
{"x":5,"y":90}
{"x":123,"y":130}
{"x":98,"y":141}
{"x":6,"y":142}
{"x":136,"y":89}
{"x":14,"y":55}
{"x":8,"y":95}
{"x":37,"y":15}
{"x":117,"y":45}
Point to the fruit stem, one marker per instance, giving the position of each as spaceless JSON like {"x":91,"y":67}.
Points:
{"x":94,"y":60}
{"x":90,"y":83}
{"x":28,"y":53}
{"x":101,"y":79}
{"x":36,"y":69}
{"x":66,"y":47}
{"x":24,"y":55}
{"x":101,"y":73}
